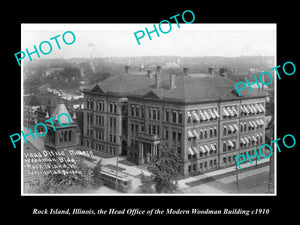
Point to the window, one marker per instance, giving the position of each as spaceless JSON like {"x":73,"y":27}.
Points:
{"x":113,"y":107}
{"x":132,"y":110}
{"x":179,"y":150}
{"x":142,"y":112}
{"x":174,"y":117}
{"x":205,"y":133}
{"x":154,"y":113}
{"x":201,"y":134}
{"x":179,"y":135}
{"x":70,"y":135}
{"x":137,"y":111}
{"x":180,"y":117}
{"x":142,"y":127}
{"x":224,"y":160}
{"x":166,"y":133}
{"x":224,"y":147}
{"x":211,"y":132}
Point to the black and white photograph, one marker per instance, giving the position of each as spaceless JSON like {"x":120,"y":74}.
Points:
{"x":130,"y":109}
{"x":150,"y":112}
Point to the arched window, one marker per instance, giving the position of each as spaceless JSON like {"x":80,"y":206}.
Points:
{"x":205,"y":133}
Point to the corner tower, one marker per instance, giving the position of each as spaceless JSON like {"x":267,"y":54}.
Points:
{"x":60,"y":135}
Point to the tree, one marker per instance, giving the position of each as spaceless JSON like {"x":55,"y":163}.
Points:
{"x":146,"y":184}
{"x":75,"y":178}
{"x":165,"y":168}
{"x":96,"y":174}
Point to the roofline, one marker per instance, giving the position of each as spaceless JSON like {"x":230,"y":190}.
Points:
{"x":178,"y":101}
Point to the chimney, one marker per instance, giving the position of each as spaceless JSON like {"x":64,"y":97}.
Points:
{"x":223,"y":72}
{"x":150,"y":74}
{"x":157,"y":77}
{"x":158,"y":68}
{"x":172,"y":82}
{"x":127,"y":69}
{"x":185,"y":70}
{"x":211,"y":70}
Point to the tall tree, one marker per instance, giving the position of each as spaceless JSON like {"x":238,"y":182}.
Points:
{"x":96,"y":174}
{"x":165,"y":168}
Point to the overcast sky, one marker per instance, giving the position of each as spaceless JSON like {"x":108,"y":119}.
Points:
{"x":227,"y":40}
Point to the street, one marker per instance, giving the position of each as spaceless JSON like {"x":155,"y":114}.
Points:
{"x":251,"y":180}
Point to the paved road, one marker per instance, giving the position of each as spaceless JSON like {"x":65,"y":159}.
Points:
{"x":254,"y":181}
{"x":251,"y":180}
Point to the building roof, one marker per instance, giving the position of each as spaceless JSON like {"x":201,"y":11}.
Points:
{"x":38,"y":143}
{"x":188,"y":88}
{"x":61,"y":108}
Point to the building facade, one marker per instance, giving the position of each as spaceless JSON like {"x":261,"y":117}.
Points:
{"x":203,"y":117}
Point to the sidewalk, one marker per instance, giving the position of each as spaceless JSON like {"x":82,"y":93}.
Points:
{"x":129,"y":170}
{"x":135,"y":172}
{"x":182,"y":184}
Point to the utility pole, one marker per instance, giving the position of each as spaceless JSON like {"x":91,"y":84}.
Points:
{"x":116,"y":183}
{"x":237,"y":178}
{"x":121,"y":100}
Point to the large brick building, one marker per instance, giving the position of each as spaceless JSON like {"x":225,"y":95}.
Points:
{"x":202,"y":115}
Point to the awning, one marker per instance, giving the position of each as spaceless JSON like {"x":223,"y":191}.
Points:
{"x":254,"y":123}
{"x":190,"y":151}
{"x":195,"y":133}
{"x":251,"y":124}
{"x":216,"y":113}
{"x":258,"y":107}
{"x":202,"y":115}
{"x":188,"y":114}
{"x":230,"y":111}
{"x":258,"y":122}
{"x":250,"y":108}
{"x":243,"y":141}
{"x":245,"y":108}
{"x":262,"y":122}
{"x":202,"y":149}
{"x":212,"y":114}
{"x":195,"y":116}
{"x":231,"y":128}
{"x":196,"y":150}
{"x":234,"y":110}
{"x":254,"y":138}
{"x":190,"y":134}
{"x":206,"y":148}
{"x":235,"y":126}
{"x":242,"y":108}
{"x":254,"y":108}
{"x":230,"y":143}
{"x":213,"y":147}
{"x":206,"y":114}
{"x":262,"y":107}
{"x":257,"y":136}
{"x":246,"y":139}
{"x":225,"y":112}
